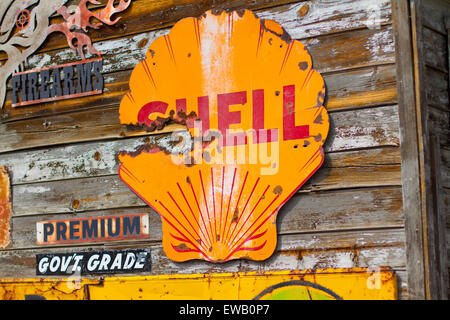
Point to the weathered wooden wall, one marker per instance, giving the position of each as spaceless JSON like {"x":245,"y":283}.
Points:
{"x":430,"y":29}
{"x":62,"y":155}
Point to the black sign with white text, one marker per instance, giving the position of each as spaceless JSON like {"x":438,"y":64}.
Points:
{"x":121,"y":261}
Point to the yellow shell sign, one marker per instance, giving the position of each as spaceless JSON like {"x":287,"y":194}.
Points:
{"x":253,"y":106}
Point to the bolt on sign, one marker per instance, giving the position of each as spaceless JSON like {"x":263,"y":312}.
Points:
{"x":26,"y":24}
{"x":253,"y":106}
{"x":105,"y":228}
{"x":5,"y":209}
{"x":121,"y":261}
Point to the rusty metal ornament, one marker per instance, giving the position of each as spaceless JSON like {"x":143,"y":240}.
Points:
{"x":254,"y":109}
{"x":33,"y":28}
{"x":23,"y":19}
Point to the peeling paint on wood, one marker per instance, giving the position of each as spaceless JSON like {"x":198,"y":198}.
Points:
{"x":70,"y":172}
{"x":58,"y":196}
{"x":295,"y":246}
{"x":352,"y":129}
{"x":350,"y":210}
{"x":324,"y":17}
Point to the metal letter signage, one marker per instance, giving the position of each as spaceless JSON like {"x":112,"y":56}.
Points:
{"x":106,"y":228}
{"x":25,"y":26}
{"x":122,"y":261}
{"x":254,"y":109}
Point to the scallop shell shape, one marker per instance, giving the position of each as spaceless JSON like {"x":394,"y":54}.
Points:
{"x":236,"y":67}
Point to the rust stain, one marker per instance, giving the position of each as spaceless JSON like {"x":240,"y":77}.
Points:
{"x":207,"y":156}
{"x":160,"y":123}
{"x":75,"y":204}
{"x":303,"y":11}
{"x":147,"y":148}
{"x":303,"y":65}
{"x":235,"y":216}
{"x":217,"y":12}
{"x":378,"y":135}
{"x":278,"y":190}
{"x":97,"y":156}
{"x":142,"y":43}
{"x":319,"y":119}
{"x":5,"y":209}
{"x":276,"y":29}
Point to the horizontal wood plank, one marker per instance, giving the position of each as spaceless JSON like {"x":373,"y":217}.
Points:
{"x":445,"y":167}
{"x":294,"y":252}
{"x":438,"y":122}
{"x":358,"y":88}
{"x":93,"y":159}
{"x":304,"y":213}
{"x":145,"y":15}
{"x":356,"y":49}
{"x":435,"y":50}
{"x":437,"y":88}
{"x":108,"y":192}
{"x":349,"y":129}
{"x":434,"y":13}
{"x":307,"y":19}
{"x":300,"y":19}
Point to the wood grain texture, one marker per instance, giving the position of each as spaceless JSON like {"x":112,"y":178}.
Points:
{"x":344,"y":249}
{"x":358,"y":88}
{"x":438,"y":122}
{"x":93,"y":159}
{"x":352,"y":209}
{"x":331,"y":53}
{"x":294,"y":252}
{"x":322,"y":16}
{"x":307,"y":19}
{"x":351,"y":214}
{"x":435,"y":50}
{"x":349,"y":129}
{"x":144,"y":15}
{"x":409,"y":152}
{"x":445,"y":161}
{"x":108,"y":192}
{"x":434,"y":13}
{"x":431,"y":90}
{"x":436,"y":89}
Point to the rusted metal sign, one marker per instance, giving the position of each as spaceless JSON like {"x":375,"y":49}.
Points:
{"x":5,"y":209}
{"x":328,"y":284}
{"x":72,"y":80}
{"x":254,"y":109}
{"x":104,"y":229}
{"x":92,"y":262}
{"x":25,"y":25}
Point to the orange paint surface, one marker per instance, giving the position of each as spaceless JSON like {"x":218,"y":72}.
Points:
{"x":5,"y":208}
{"x":256,"y":93}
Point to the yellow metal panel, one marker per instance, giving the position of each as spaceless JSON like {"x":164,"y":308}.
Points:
{"x":347,"y":284}
{"x":57,"y":289}
{"x":358,"y":284}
